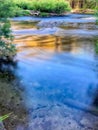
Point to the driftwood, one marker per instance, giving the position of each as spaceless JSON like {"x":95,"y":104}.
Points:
{"x":37,"y":13}
{"x":34,"y":13}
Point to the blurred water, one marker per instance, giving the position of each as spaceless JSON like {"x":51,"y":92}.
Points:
{"x":55,"y":65}
{"x":58,"y":63}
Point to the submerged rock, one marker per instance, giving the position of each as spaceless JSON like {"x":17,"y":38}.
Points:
{"x":77,"y":34}
{"x":2,"y":126}
{"x":76,"y":22}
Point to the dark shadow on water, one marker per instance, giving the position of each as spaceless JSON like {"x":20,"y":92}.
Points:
{"x":7,"y":68}
{"x":11,"y":98}
{"x":95,"y":102}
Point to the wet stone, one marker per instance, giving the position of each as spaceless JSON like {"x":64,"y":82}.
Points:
{"x":86,"y":122}
{"x":2,"y":126}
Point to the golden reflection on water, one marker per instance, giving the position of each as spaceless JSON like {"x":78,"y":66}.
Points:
{"x":38,"y":46}
{"x":23,"y":25}
{"x":48,"y":43}
{"x":38,"y":41}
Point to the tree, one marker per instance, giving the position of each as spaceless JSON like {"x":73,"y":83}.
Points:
{"x":83,"y":3}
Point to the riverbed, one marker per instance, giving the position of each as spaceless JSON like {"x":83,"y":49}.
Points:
{"x":55,"y":82}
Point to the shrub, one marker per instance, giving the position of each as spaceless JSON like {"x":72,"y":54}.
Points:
{"x":24,"y":4}
{"x":90,"y":4}
{"x":50,"y":6}
{"x":16,"y":7}
{"x":43,"y":14}
{"x":25,"y":12}
{"x":20,"y":12}
{"x":17,"y":11}
{"x":6,"y":8}
{"x":96,"y":47}
{"x":96,"y":15}
{"x":10,"y":8}
{"x":7,"y":50}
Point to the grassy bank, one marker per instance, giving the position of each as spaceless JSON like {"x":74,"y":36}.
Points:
{"x":43,"y":7}
{"x":50,"y":6}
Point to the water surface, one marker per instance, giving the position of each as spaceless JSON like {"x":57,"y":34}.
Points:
{"x":55,"y":66}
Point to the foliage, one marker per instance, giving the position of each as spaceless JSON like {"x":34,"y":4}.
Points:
{"x":7,"y":49}
{"x":20,"y":12}
{"x":90,"y":4}
{"x":10,"y":8}
{"x":21,"y":7}
{"x":23,"y":4}
{"x":6,"y":8}
{"x":43,"y":14}
{"x":5,"y":31}
{"x":96,"y":47}
{"x":4,"y":117}
{"x":96,"y":15}
{"x":50,"y":6}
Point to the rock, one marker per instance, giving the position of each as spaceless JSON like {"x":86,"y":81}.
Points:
{"x":85,"y":122}
{"x":2,"y":126}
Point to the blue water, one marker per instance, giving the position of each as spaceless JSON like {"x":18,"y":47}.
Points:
{"x":56,"y":66}
{"x":50,"y":76}
{"x":68,"y":17}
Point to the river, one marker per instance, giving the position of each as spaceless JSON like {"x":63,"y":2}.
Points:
{"x":57,"y":74}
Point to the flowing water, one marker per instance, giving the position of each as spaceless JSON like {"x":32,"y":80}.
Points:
{"x":57,"y":70}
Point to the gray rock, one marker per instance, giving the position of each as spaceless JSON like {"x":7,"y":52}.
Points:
{"x":2,"y":126}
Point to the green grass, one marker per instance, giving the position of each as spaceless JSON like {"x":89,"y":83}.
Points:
{"x":23,"y":7}
{"x":96,"y":15}
{"x":43,"y":14}
{"x":2,"y":118}
{"x":96,"y":46}
{"x":46,"y":6}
